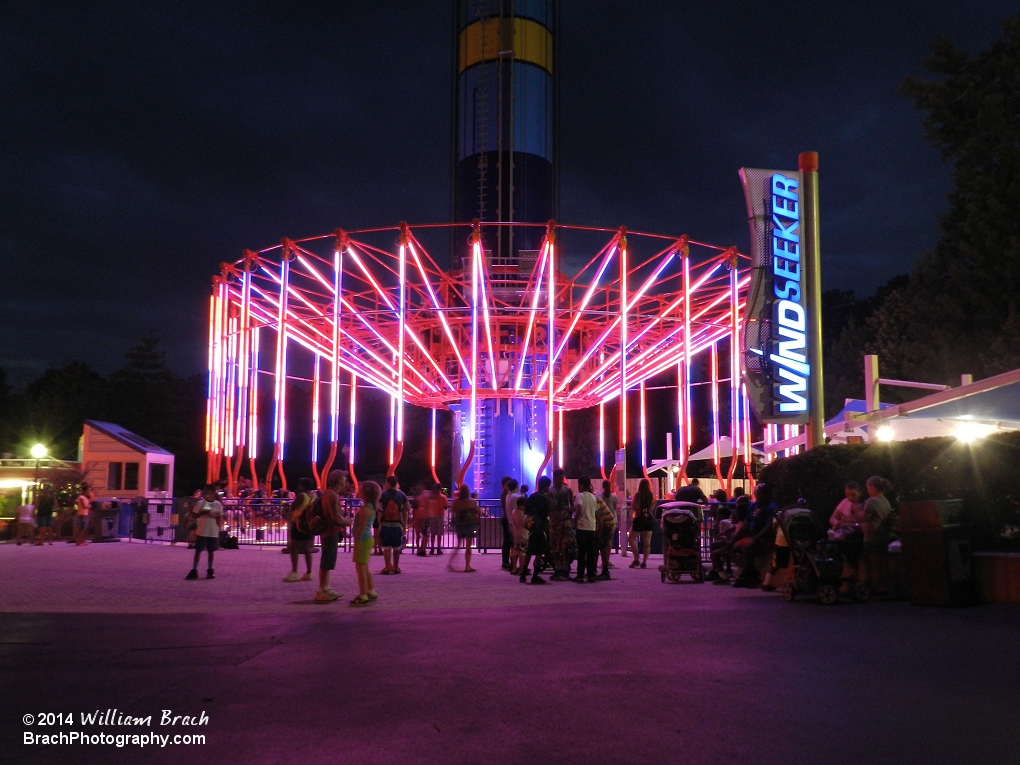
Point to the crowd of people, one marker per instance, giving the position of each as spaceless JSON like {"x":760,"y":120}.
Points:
{"x":38,"y":522}
{"x":546,"y":530}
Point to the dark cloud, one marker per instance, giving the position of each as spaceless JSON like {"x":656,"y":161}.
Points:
{"x":143,"y":143}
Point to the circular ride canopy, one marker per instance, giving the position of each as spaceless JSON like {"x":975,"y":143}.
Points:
{"x":374,"y":307}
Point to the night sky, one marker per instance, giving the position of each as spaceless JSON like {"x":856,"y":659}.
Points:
{"x":144,"y":143}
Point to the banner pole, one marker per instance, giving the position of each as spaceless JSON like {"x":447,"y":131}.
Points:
{"x":811,"y":254}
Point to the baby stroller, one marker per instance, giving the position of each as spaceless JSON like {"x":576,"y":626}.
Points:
{"x":819,"y":566}
{"x":681,"y":542}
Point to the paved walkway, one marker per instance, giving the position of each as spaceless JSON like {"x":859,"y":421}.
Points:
{"x":477,"y":668}
{"x":132,"y":577}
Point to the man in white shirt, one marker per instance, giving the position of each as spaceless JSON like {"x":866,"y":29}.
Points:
{"x":584,"y":523}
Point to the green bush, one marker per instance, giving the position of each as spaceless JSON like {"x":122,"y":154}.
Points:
{"x":985,"y":474}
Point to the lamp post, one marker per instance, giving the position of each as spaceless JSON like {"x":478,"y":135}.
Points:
{"x":38,"y":452}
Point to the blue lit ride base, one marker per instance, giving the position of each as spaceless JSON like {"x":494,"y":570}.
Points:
{"x":505,"y":343}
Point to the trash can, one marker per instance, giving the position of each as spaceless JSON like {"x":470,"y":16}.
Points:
{"x":937,"y":559}
{"x":105,"y":522}
{"x":141,"y":512}
{"x":126,"y":519}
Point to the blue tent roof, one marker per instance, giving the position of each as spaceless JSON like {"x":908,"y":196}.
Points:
{"x":854,"y":406}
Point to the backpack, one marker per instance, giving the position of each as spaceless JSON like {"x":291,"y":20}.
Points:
{"x":391,"y":511}
{"x":311,"y":521}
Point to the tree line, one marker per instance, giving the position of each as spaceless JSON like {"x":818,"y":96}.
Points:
{"x":143,"y":395}
{"x":957,"y":312}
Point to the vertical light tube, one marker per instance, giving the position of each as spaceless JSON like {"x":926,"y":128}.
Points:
{"x":715,"y":403}
{"x":315,"y":411}
{"x":244,"y":360}
{"x":432,"y":444}
{"x":210,"y":414}
{"x":681,"y":415}
{"x":644,"y":429}
{"x":393,"y":422}
{"x":221,"y":368}
{"x":602,"y":439}
{"x":253,"y":400}
{"x":473,"y":414}
{"x":747,"y":428}
{"x":229,"y":386}
{"x":686,"y":445}
{"x":559,"y":438}
{"x":623,"y":349}
{"x":735,"y":431}
{"x":280,"y":422}
{"x":402,"y":278}
{"x":551,"y":341}
{"x":334,"y":385}
{"x":353,"y":418}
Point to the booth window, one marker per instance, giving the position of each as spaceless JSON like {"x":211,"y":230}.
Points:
{"x":158,"y":475}
{"x":130,"y":476}
{"x":114,"y":476}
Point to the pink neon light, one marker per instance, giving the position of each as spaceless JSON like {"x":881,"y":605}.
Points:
{"x":485,"y":313}
{"x":354,"y":417}
{"x":715,"y":404}
{"x":439,"y":312}
{"x":551,"y":339}
{"x":644,"y":431}
{"x":253,"y":412}
{"x":540,"y":269}
{"x":280,"y":392}
{"x":623,"y":345}
{"x":400,"y":351}
{"x":334,"y":383}
{"x":315,"y":411}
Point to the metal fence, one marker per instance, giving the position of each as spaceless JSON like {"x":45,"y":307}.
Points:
{"x":264,"y":522}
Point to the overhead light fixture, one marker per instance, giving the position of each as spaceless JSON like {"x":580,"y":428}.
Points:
{"x":885,"y":433}
{"x":39,"y":451}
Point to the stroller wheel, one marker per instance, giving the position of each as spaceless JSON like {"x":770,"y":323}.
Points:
{"x":789,"y":592}
{"x":860,"y":592}
{"x":827,"y":594}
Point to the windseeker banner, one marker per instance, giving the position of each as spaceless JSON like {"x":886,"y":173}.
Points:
{"x":774,"y":343}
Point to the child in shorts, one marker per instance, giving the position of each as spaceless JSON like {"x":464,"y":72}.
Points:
{"x":363,"y":541}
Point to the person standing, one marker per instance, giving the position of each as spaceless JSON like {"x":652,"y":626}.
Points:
{"x":465,"y":512}
{"x":642,"y":511}
{"x":25,"y":513}
{"x":300,"y":543}
{"x":44,"y":517}
{"x":606,"y":525}
{"x":519,"y":525}
{"x":332,"y":528}
{"x":877,"y":535}
{"x":508,"y":506}
{"x":562,"y":541}
{"x":423,"y":506}
{"x":691,"y":493}
{"x":537,"y":509}
{"x":395,"y":510}
{"x":83,"y":512}
{"x":504,"y":521}
{"x":363,"y":539}
{"x":209,"y":513}
{"x":585,"y":509}
{"x":437,"y":523}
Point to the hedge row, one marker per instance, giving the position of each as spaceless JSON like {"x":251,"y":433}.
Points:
{"x":985,"y":474}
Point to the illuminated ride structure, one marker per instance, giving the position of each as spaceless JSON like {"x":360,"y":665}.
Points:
{"x":507,"y":344}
